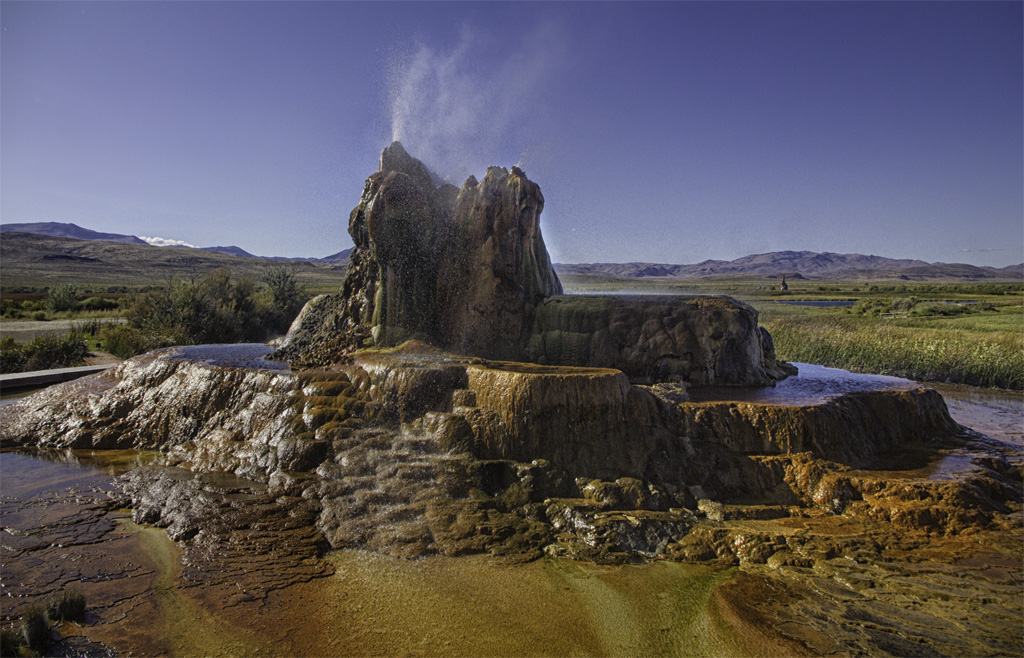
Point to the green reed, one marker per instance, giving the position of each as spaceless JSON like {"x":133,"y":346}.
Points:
{"x":956,"y":353}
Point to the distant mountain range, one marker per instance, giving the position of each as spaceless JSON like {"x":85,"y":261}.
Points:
{"x":59,"y":230}
{"x":793,"y":264}
{"x":30,"y":260}
{"x":799,"y":264}
{"x":73,"y":231}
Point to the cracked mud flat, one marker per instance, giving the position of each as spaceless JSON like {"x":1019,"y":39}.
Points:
{"x":831,"y":584}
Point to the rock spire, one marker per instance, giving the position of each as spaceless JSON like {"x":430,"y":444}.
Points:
{"x":460,"y":269}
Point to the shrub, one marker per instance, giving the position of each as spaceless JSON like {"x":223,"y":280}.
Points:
{"x":10,"y":308}
{"x":217,"y":309}
{"x":46,"y":352}
{"x":39,"y":316}
{"x":67,"y":606}
{"x":871,"y":306}
{"x":10,"y":641}
{"x":926,"y":309}
{"x":35,"y":631}
{"x":285,"y":292}
{"x":43,"y":353}
{"x":62,"y":297}
{"x":904,"y":304}
{"x":12,"y":357}
{"x":99,"y":304}
{"x":125,"y":342}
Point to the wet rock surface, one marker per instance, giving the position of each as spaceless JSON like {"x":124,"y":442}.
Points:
{"x":413,"y":451}
{"x":882,"y":596}
{"x":239,"y":542}
{"x":702,"y":341}
{"x":55,"y":518}
{"x":467,"y":270}
{"x":880,"y":540}
{"x":407,"y":425}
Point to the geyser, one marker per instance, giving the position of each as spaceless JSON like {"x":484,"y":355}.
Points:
{"x":449,"y":399}
{"x":466,"y":270}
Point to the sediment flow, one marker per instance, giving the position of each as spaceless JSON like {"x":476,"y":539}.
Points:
{"x":407,"y":453}
{"x":412,"y":451}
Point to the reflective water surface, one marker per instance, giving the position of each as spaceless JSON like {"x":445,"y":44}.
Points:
{"x":242,"y":355}
{"x":813,"y":385}
{"x":995,"y":413}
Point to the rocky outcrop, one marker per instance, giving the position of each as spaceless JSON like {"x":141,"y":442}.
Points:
{"x":696,"y":340}
{"x":494,"y":268}
{"x":461,"y":269}
{"x":462,"y":405}
{"x":466,"y":270}
{"x":851,"y":429}
{"x":414,"y":451}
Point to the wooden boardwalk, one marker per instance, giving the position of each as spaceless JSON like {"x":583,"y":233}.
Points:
{"x":16,"y":380}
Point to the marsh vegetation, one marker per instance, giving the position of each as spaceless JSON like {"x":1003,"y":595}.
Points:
{"x":981,"y":348}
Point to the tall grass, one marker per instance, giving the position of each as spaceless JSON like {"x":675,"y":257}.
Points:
{"x":980,"y":357}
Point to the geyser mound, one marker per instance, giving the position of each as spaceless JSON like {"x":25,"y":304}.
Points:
{"x":449,"y":399}
{"x":467,"y":270}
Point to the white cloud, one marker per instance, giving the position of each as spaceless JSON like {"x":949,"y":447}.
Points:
{"x":166,"y":242}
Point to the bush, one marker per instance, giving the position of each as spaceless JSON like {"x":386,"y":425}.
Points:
{"x":10,"y":642}
{"x":43,"y":353}
{"x":66,"y":606}
{"x":99,"y":304}
{"x":35,"y":630}
{"x":871,"y":306}
{"x":39,"y":316}
{"x":125,"y":342}
{"x":62,"y":297}
{"x":217,"y":309}
{"x":12,"y":356}
{"x":904,"y":304}
{"x":10,"y":308}
{"x":285,"y":292}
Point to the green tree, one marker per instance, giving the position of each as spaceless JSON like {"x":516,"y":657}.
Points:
{"x":62,"y":297}
{"x":286,"y":295}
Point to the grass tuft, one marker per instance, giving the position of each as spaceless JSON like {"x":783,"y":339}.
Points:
{"x":10,"y":642}
{"x":35,"y":630}
{"x":66,"y":606}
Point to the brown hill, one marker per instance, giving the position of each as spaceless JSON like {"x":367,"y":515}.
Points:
{"x":28,"y":259}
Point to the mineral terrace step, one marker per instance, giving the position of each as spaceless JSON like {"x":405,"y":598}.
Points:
{"x":16,"y":380}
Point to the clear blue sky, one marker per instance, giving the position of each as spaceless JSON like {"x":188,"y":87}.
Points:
{"x":663,"y":132}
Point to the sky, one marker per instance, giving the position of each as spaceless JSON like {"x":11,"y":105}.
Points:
{"x":667,"y":132}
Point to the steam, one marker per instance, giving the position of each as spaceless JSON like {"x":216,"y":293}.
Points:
{"x":459,"y":109}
